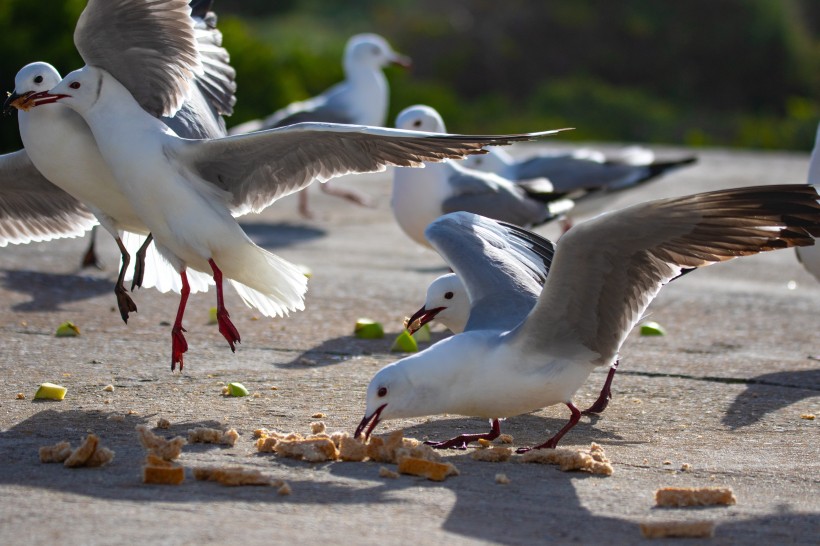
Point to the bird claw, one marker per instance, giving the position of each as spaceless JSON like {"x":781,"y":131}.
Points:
{"x":227,"y":329}
{"x":124,"y":302}
{"x":179,"y":346}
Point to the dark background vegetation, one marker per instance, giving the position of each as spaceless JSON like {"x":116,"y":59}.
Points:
{"x":742,"y":73}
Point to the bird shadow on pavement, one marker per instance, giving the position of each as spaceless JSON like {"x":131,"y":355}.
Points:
{"x":48,"y":291}
{"x":336,"y":350}
{"x":770,"y":392}
{"x":278,"y":235}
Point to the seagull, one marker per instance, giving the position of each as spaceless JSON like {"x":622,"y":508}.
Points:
{"x":60,"y":151}
{"x":361,"y":99}
{"x":603,"y":276}
{"x":810,"y":256}
{"x":188,"y":191}
{"x":421,"y":196}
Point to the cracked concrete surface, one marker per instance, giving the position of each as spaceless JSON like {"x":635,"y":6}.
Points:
{"x":723,"y":392}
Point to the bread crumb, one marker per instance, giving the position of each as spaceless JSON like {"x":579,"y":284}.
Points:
{"x":667,"y":462}
{"x":431,"y":470}
{"x":100,"y":457}
{"x":694,"y":496}
{"x":80,"y":455}
{"x":505,"y":439}
{"x":483,"y":442}
{"x":109,"y":388}
{"x":678,"y":529}
{"x":226,"y":390}
{"x":57,"y":453}
{"x":494,"y":454}
{"x":261,"y":433}
{"x":232,"y":475}
{"x":311,"y":450}
{"x":318,"y":415}
{"x":685,"y":467}
{"x":806,"y":416}
{"x":318,"y":427}
{"x":502,"y":479}
{"x":166,"y":450}
{"x":204,"y":435}
{"x":163,"y":424}
{"x":352,"y":449}
{"x":385,"y":472}
{"x":21,"y":396}
{"x":156,"y":470}
{"x":284,"y":489}
{"x":593,"y":460}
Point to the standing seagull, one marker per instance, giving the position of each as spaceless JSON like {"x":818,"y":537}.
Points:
{"x":59,"y":144}
{"x":810,"y":256}
{"x":604,"y":274}
{"x":421,"y":196}
{"x":361,"y":99}
{"x":187,"y":191}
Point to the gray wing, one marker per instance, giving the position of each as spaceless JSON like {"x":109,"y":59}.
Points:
{"x":489,"y":195}
{"x":149,"y":46}
{"x":34,"y":209}
{"x":325,"y":108}
{"x":258,"y":168}
{"x":569,"y":174}
{"x":606,"y":271}
{"x":501,"y":266}
{"x":213,"y":96}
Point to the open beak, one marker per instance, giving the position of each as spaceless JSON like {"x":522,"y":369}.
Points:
{"x":29,"y":100}
{"x":402,"y":60}
{"x":372,"y":419}
{"x":422,"y":317}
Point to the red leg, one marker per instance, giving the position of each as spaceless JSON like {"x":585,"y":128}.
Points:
{"x":552,"y":442}
{"x":178,"y":343}
{"x":460,"y":442}
{"x":606,"y":394}
{"x":226,"y":327}
{"x":124,"y":301}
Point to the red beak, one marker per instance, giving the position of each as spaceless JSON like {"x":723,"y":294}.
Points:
{"x":422,"y":317}
{"x":373,"y":420}
{"x":402,"y":60}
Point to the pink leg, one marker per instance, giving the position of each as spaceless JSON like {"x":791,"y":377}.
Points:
{"x":178,"y":343}
{"x":226,"y":327}
{"x":552,"y":442}
{"x":460,"y":442}
{"x":606,"y":394}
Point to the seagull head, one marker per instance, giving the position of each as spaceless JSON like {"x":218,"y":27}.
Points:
{"x":79,"y":90}
{"x":30,"y":83}
{"x":386,"y":395}
{"x":494,"y":161}
{"x":447,"y":302}
{"x":372,"y":50}
{"x":420,"y":118}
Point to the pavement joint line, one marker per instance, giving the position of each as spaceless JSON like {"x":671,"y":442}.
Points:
{"x":714,"y":379}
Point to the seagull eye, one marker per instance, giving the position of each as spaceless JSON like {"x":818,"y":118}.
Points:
{"x":375,"y":50}
{"x":417,"y":123}
{"x":38,"y":79}
{"x":382,"y":392}
{"x":448,"y":296}
{"x":74,"y":85}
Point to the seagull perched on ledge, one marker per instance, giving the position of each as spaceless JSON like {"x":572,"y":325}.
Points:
{"x":604,"y":275}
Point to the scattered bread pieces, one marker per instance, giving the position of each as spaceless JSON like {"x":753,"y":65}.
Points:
{"x":694,"y":496}
{"x":100,"y":457}
{"x":233,"y":476}
{"x":318,"y":415}
{"x":109,"y":388}
{"x":686,"y":467}
{"x":312,"y":450}
{"x":505,"y":439}
{"x":284,"y":489}
{"x":57,"y":453}
{"x":495,"y":454}
{"x":163,"y":423}
{"x":159,"y":471}
{"x":352,"y":449}
{"x":483,"y":442}
{"x":21,"y":396}
{"x":204,"y":435}
{"x":261,"y":433}
{"x":593,"y":460}
{"x":385,"y":472}
{"x":431,"y":470}
{"x":80,"y":455}
{"x":159,"y":446}
{"x":806,"y":416}
{"x":502,"y":479}
{"x":678,"y":529}
{"x":318,"y":427}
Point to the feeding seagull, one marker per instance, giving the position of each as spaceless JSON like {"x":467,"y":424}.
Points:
{"x":603,"y":276}
{"x":188,"y":191}
{"x":60,"y":152}
{"x":421,"y":196}
{"x":810,"y":256}
{"x":361,"y":99}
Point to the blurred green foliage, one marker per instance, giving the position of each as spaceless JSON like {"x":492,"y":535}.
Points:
{"x":697,"y":72}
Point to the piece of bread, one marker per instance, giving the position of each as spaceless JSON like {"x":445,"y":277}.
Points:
{"x":157,"y":470}
{"x":495,"y":454}
{"x":233,"y":476}
{"x":100,"y":457}
{"x":318,"y":427}
{"x":678,"y":529}
{"x":431,"y":470}
{"x":80,"y":455}
{"x":352,"y":449}
{"x":57,"y":453}
{"x":312,"y":450}
{"x":694,"y":496}
{"x":163,"y":423}
{"x":159,"y":446}
{"x":593,"y":461}
{"x":204,"y":435}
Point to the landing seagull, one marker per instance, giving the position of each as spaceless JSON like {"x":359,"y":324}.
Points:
{"x":187,"y":191}
{"x":361,"y":99}
{"x":810,"y":256}
{"x":60,"y":152}
{"x":604,"y":274}
{"x":421,"y":196}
